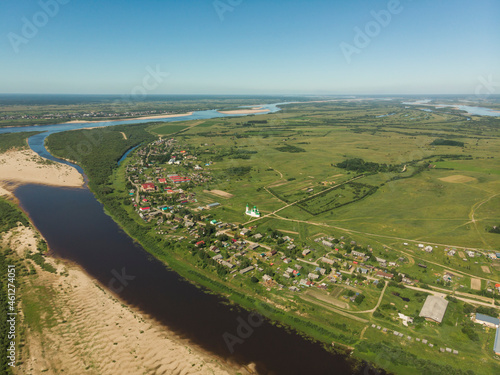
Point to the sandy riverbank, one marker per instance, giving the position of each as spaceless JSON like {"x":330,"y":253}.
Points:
{"x":26,"y":166}
{"x":128,"y":119}
{"x":89,"y":331}
{"x":245,"y":111}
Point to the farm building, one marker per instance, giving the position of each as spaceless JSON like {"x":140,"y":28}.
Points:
{"x":245,"y":270}
{"x":434,"y":309}
{"x":486,"y":320}
{"x":253,"y":246}
{"x":496,"y":346}
{"x":212,"y":205}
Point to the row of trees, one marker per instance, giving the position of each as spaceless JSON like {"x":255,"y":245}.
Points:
{"x":361,"y":166}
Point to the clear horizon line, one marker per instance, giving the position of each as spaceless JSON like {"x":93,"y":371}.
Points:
{"x":232,"y":94}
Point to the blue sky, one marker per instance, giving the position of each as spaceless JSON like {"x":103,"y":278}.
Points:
{"x":248,"y":46}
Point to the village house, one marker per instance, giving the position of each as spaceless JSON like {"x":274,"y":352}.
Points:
{"x":385,"y":275}
{"x":326,"y":243}
{"x":362,"y":270}
{"x":320,"y":270}
{"x":267,"y":278}
{"x":148,"y":187}
{"x":327,"y":261}
{"x":227,"y":264}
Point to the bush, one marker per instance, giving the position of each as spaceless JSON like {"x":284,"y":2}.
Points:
{"x":359,"y":299}
{"x":471,"y":334}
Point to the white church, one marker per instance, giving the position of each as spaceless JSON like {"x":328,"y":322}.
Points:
{"x":254,"y":212}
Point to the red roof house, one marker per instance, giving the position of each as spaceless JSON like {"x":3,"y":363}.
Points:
{"x":148,"y":187}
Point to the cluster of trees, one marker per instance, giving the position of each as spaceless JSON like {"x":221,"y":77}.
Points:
{"x":10,"y":216}
{"x":251,"y":123}
{"x":98,"y":150}
{"x":446,"y":142}
{"x":315,"y":205}
{"x":494,"y":229}
{"x":14,"y":140}
{"x":240,"y":154}
{"x":360,"y":166}
{"x":204,"y":260}
{"x":468,"y":329}
{"x":232,"y":153}
{"x":290,"y":148}
{"x":40,"y":260}
{"x":238,"y":171}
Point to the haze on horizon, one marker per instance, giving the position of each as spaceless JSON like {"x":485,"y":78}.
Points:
{"x":249,"y":47}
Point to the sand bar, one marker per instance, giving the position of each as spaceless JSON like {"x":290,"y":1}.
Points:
{"x":26,"y":166}
{"x":245,"y":111}
{"x":128,"y":119}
